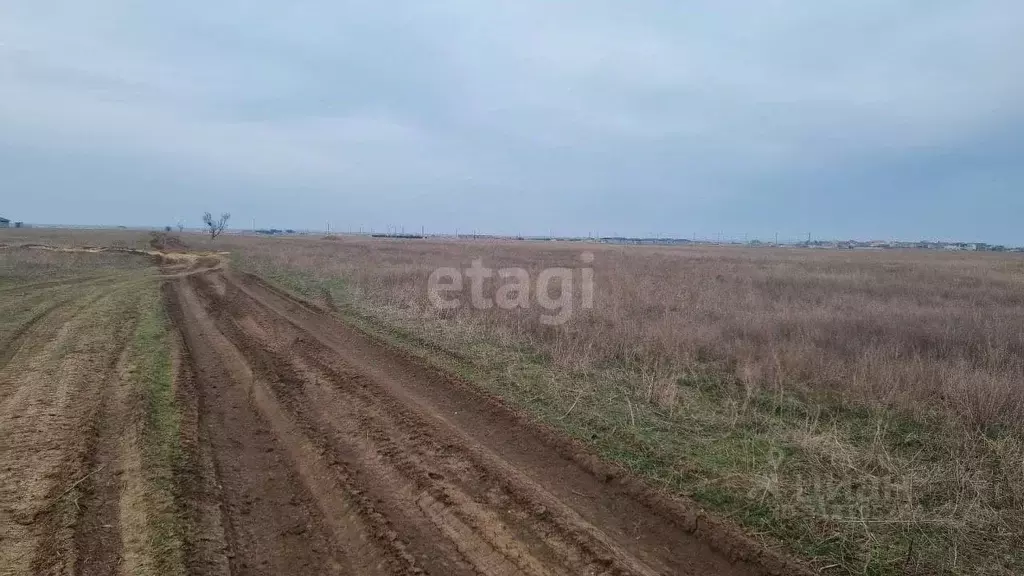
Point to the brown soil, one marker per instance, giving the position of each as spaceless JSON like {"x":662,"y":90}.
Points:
{"x":166,"y":242}
{"x":98,"y":528}
{"x":312,"y":449}
{"x":57,"y":478}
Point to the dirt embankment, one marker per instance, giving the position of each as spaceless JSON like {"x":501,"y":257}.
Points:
{"x":312,"y":449}
{"x":167,"y":242}
{"x":168,"y":252}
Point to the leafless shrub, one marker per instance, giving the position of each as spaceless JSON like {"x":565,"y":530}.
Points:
{"x":216,"y":227}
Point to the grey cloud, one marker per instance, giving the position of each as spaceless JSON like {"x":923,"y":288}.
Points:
{"x":670,"y":105}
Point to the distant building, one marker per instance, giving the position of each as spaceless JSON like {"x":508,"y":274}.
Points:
{"x":5,"y":223}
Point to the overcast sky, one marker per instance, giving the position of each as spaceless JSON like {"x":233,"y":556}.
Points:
{"x":866,"y":119}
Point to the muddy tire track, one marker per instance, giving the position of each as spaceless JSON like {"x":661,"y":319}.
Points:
{"x":400,"y":468}
{"x":197,"y":492}
{"x":660,"y":529}
{"x":272,"y":522}
{"x":491,"y":520}
{"x":386,"y":502}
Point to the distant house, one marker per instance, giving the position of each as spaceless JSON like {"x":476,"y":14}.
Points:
{"x":4,"y":222}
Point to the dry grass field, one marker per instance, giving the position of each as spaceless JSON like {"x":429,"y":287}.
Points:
{"x":861,"y":410}
{"x":162,"y":413}
{"x":864,"y":408}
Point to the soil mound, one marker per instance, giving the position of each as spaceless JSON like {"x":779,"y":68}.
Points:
{"x":165,"y":242}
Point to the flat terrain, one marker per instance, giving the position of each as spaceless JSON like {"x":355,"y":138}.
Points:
{"x":861,"y":409}
{"x":166,"y":415}
{"x":328,"y":453}
{"x":295,"y":405}
{"x":73,"y":340}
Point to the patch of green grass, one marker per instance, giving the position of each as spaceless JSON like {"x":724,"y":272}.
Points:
{"x":161,"y":448}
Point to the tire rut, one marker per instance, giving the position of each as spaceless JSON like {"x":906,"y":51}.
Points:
{"x":490,"y":522}
{"x":98,"y":531}
{"x":50,"y":405}
{"x":422,"y":516}
{"x":198,"y":493}
{"x":647,"y":526}
{"x":14,"y":341}
{"x":10,"y":348}
{"x":40,"y":328}
{"x":20,"y":289}
{"x":435,"y":475}
{"x":278,"y":517}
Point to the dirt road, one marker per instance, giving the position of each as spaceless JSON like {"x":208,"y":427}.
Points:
{"x":312,"y":449}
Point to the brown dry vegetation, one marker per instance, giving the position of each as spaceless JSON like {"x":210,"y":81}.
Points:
{"x":259,"y":433}
{"x":87,"y":438}
{"x":862,"y":407}
{"x":910,"y":329}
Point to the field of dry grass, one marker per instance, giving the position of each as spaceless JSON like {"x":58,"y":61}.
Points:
{"x":863,"y":408}
{"x":916,"y":330}
{"x":859,"y":409}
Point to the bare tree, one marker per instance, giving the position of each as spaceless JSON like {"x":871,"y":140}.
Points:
{"x":181,"y":226}
{"x":216,"y":228}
